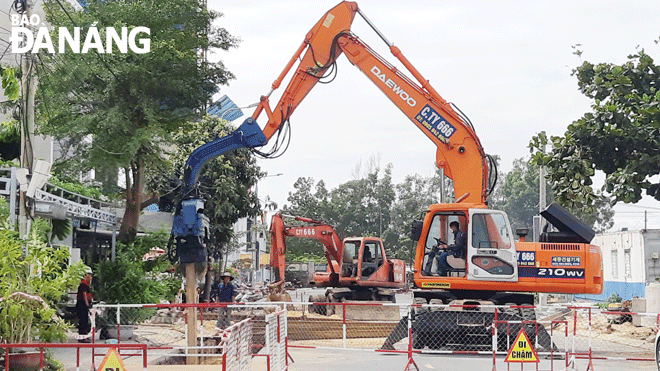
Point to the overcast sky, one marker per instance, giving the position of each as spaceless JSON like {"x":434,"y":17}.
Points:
{"x":507,"y":65}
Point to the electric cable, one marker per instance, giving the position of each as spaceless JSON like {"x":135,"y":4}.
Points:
{"x":19,"y":6}
{"x":5,"y":52}
{"x":96,"y":52}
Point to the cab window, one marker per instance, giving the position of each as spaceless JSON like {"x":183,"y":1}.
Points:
{"x":350,"y":251}
{"x":489,"y":231}
{"x":440,"y":229}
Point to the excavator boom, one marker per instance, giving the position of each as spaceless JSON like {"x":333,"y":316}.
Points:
{"x":455,"y":139}
{"x":314,"y":229}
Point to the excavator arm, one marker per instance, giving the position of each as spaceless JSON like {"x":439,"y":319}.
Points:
{"x":458,"y":152}
{"x":314,"y":229}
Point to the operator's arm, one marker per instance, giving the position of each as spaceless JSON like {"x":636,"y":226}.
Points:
{"x":461,"y":240}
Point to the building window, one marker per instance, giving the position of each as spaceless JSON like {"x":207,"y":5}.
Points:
{"x":626,"y":262}
{"x":615,"y":265}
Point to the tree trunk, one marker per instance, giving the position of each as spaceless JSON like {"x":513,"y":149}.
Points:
{"x":207,"y":284}
{"x":134,"y":184}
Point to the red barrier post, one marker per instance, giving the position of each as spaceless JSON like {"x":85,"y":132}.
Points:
{"x":411,"y":361}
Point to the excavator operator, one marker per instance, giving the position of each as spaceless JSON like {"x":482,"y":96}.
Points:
{"x":366,"y":256}
{"x":457,"y":249}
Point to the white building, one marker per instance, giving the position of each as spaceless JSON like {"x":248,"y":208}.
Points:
{"x":631,"y":260}
{"x":249,"y":240}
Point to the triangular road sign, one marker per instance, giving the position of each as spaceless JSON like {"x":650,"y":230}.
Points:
{"x":112,"y":362}
{"x":521,"y":350}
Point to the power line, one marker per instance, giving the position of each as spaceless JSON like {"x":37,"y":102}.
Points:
{"x":637,"y":212}
{"x":640,"y":206}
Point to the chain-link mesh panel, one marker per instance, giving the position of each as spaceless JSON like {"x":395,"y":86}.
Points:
{"x":341,"y":325}
{"x":612,"y":334}
{"x":434,"y":327}
{"x":441,"y":327}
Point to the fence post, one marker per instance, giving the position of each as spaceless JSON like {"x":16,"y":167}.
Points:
{"x":343,"y":325}
{"x":411,"y":361}
{"x":118,"y":324}
{"x":494,"y":332}
{"x":268,"y":341}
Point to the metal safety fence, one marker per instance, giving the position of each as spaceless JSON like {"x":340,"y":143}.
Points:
{"x":559,"y":332}
{"x":164,"y":328}
{"x":276,"y":340}
{"x":13,"y":360}
{"x":237,"y":346}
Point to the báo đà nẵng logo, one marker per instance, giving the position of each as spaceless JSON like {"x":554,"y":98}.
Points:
{"x":24,"y":39}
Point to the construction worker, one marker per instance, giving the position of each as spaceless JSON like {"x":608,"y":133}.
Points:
{"x":226,"y":294}
{"x":83,"y":306}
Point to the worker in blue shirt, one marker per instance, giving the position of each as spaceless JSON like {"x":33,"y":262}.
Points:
{"x":225,"y":294}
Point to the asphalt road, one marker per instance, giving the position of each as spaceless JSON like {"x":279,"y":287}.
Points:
{"x":335,"y":360}
{"x":340,"y":360}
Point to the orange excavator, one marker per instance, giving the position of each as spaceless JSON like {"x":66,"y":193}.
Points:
{"x":357,"y":268}
{"x":494,"y":268}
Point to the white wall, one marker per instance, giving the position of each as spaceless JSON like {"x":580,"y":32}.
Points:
{"x":623,"y":256}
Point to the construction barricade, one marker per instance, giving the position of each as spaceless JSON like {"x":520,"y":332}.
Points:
{"x":276,"y":340}
{"x":561,"y":334}
{"x":237,"y":346}
{"x":164,"y":328}
{"x":37,"y":362}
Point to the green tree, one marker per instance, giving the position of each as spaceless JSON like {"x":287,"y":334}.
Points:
{"x":129,"y":103}
{"x":128,"y":279}
{"x":10,"y":85}
{"x":32,"y":283}
{"x":10,"y":135}
{"x":414,"y":195}
{"x":10,"y":141}
{"x":359,"y":207}
{"x":620,"y":136}
{"x":518,"y":196}
{"x":310,"y":201}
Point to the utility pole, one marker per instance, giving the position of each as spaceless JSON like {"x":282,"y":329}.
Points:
{"x":191,"y":294}
{"x":27,"y":124}
{"x":543,"y":298}
{"x":442,"y":185}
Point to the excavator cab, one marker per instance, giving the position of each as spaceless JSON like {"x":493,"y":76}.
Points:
{"x":361,"y":255}
{"x":438,"y":238}
{"x":490,"y":252}
{"x":370,"y":255}
{"x":350,"y":258}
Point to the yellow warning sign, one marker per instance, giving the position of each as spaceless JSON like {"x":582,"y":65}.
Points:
{"x":521,"y":350}
{"x":112,"y":362}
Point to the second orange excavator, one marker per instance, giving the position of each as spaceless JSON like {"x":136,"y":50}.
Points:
{"x":357,"y":269}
